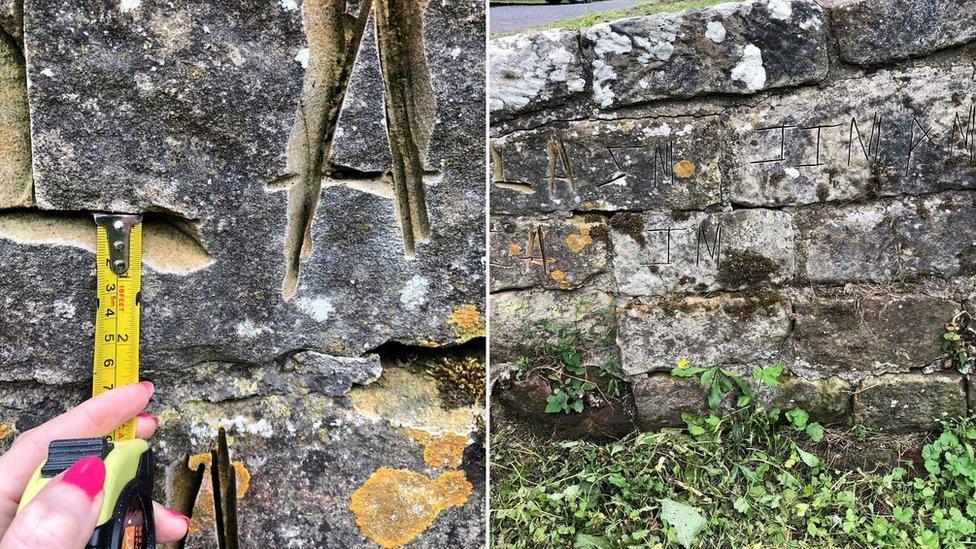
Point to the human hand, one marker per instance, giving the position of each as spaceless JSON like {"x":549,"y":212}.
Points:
{"x":64,"y":512}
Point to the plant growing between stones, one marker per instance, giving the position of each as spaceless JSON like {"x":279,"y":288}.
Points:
{"x":959,"y":343}
{"x":561,"y":361}
{"x":719,"y":382}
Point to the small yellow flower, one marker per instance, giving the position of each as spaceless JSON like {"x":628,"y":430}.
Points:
{"x":683,"y":363}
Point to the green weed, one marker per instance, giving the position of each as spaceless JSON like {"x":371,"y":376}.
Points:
{"x":559,"y":358}
{"x":745,"y":474}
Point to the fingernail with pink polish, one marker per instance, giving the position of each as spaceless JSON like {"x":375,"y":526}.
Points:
{"x":179,"y":515}
{"x":149,"y":385}
{"x":88,"y":473}
{"x":144,"y":415}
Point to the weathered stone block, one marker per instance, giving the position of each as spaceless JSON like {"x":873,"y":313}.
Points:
{"x":906,"y":131}
{"x":611,"y":165}
{"x":15,"y":155}
{"x":827,"y":400}
{"x":657,"y":254}
{"x":520,"y":320}
{"x":738,"y":48}
{"x":872,"y":32}
{"x":552,"y":253}
{"x":12,"y":19}
{"x":857,"y":334}
{"x":727,"y":329}
{"x":888,"y":240}
{"x":900,"y":403}
{"x":205,"y":119}
{"x":528,"y":72}
{"x":604,"y":417}
{"x":660,"y":399}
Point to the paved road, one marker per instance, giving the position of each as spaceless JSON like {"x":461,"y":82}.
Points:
{"x":513,"y":18}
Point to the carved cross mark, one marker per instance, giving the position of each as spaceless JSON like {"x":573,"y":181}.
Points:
{"x":335,"y":40}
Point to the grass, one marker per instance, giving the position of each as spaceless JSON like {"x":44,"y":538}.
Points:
{"x":747,"y":475}
{"x":649,"y":8}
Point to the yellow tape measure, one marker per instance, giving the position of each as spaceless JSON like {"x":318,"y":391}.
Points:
{"x":119,"y":279}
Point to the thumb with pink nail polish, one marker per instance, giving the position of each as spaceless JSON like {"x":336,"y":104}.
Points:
{"x":64,"y":513}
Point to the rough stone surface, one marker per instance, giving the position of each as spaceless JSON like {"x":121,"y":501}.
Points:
{"x":826,"y":400}
{"x":530,"y":71}
{"x":729,"y":329}
{"x":856,"y":335}
{"x":361,"y":142}
{"x":660,"y":399}
{"x":603,"y":417}
{"x":901,"y":131}
{"x":15,"y":159}
{"x":658,"y":254}
{"x":551,"y":253}
{"x":872,"y":32}
{"x":623,"y":165}
{"x":299,"y":452}
{"x":12,"y":19}
{"x":148,"y":115}
{"x":909,"y":402}
{"x":732,"y":48}
{"x":307,"y":208}
{"x":888,"y":240}
{"x":522,"y":319}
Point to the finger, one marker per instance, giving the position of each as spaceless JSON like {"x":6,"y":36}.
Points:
{"x":64,"y":512}
{"x":170,"y":525}
{"x":96,"y":417}
{"x":146,"y":425}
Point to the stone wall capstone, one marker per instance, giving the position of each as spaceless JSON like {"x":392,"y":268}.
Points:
{"x":758,"y":181}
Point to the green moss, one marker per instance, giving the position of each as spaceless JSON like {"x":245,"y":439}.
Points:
{"x":460,"y":379}
{"x":745,"y":268}
{"x":630,"y":224}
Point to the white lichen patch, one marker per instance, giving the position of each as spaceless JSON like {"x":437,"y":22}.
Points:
{"x":414,"y":292}
{"x":750,"y":70}
{"x":607,"y":41}
{"x":128,"y":5}
{"x":289,"y":4}
{"x":64,"y":308}
{"x":780,"y":9}
{"x":302,"y":57}
{"x":249,"y":329}
{"x":530,"y":68}
{"x":603,"y":74}
{"x":319,"y":308}
{"x":715,"y":31}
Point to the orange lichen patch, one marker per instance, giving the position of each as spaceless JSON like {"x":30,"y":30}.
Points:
{"x":558,"y":276}
{"x":394,"y":506}
{"x":514,"y":250}
{"x":468,"y":321}
{"x":5,"y":431}
{"x":203,"y":510}
{"x":577,"y":242}
{"x":445,"y":451}
{"x":684,"y":169}
{"x":418,"y":435}
{"x":453,"y":488}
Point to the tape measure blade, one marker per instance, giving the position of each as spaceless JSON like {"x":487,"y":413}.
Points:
{"x":116,"y":360}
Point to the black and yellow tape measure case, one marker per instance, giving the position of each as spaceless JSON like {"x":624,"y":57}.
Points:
{"x":126,"y":517}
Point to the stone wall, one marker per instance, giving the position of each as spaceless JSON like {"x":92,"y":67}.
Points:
{"x":311,"y":175}
{"x":747,"y":183}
